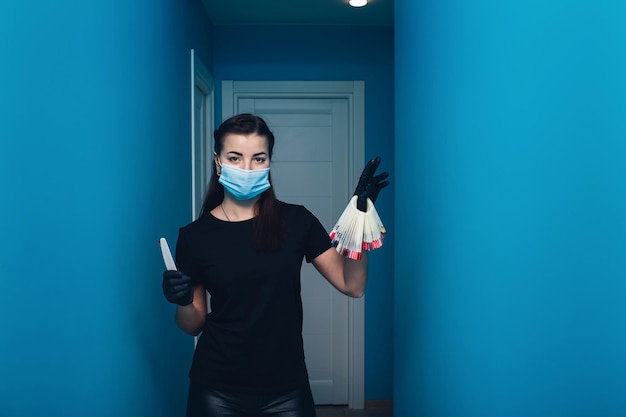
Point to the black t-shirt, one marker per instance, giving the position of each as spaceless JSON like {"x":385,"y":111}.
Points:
{"x":252,"y":338}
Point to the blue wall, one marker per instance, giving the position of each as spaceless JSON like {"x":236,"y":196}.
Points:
{"x":510,"y":168}
{"x":94,"y":167}
{"x":265,"y":53}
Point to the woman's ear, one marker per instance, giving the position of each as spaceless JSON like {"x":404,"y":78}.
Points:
{"x":218,"y":166}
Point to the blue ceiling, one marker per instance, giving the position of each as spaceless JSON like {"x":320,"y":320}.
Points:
{"x":298,"y":12}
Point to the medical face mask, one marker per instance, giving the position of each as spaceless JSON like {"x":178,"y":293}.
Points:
{"x":244,"y":184}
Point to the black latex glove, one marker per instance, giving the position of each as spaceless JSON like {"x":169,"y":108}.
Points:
{"x":370,"y":185}
{"x":177,"y":288}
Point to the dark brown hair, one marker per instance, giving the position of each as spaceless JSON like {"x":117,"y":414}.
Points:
{"x":269,"y":230}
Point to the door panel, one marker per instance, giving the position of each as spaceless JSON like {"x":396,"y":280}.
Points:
{"x":309,"y":168}
{"x":322,"y":113}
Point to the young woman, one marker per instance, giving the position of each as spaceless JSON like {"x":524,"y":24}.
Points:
{"x":246,"y":250}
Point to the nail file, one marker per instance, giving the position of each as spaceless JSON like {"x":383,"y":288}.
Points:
{"x":167,"y":255}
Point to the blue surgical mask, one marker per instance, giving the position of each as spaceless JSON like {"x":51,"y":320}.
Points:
{"x":244,"y":184}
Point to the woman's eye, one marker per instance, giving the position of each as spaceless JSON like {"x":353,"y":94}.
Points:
{"x":260,"y":160}
{"x":233,"y":158}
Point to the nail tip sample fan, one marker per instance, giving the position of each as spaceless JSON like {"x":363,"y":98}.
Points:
{"x":356,"y":231}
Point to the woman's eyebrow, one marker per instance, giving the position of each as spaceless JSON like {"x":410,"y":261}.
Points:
{"x":240,"y":154}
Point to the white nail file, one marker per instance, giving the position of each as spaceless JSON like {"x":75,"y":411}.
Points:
{"x":167,"y":255}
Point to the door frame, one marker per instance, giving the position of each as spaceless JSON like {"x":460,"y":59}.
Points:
{"x":354,"y":92}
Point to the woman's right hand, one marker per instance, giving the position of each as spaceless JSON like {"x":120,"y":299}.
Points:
{"x":177,"y":288}
{"x":369,"y":184}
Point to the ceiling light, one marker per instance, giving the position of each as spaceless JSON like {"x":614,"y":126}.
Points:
{"x":358,"y":3}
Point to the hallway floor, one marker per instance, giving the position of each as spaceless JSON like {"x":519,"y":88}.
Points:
{"x":382,"y":409}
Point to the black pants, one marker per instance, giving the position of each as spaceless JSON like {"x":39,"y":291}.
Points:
{"x":205,"y":402}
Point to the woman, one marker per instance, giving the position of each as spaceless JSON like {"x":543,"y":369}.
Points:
{"x":246,"y":250}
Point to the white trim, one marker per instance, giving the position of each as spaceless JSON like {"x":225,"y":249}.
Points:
{"x":354,"y":91}
{"x":192,"y":86}
{"x":356,"y":315}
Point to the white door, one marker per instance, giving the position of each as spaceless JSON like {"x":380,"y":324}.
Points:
{"x":312,"y":166}
{"x":201,"y":131}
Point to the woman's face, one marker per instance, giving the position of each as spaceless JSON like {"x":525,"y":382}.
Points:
{"x":244,"y":151}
